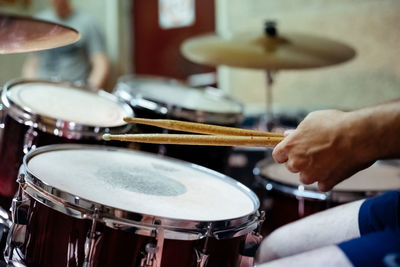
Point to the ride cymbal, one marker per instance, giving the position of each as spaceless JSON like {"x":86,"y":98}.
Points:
{"x":269,"y":51}
{"x":23,"y":34}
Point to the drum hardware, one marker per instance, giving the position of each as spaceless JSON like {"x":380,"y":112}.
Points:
{"x":5,"y":225}
{"x":149,"y":259}
{"x":24,"y":34}
{"x":153,"y":252}
{"x":29,"y":140}
{"x":298,"y":191}
{"x":19,"y":211}
{"x":91,"y":240}
{"x":253,"y":240}
{"x":201,"y":254}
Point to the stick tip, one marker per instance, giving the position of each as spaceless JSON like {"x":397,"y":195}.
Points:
{"x":107,"y":137}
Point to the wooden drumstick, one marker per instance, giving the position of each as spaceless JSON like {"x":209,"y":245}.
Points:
{"x":186,"y":139}
{"x":199,"y":127}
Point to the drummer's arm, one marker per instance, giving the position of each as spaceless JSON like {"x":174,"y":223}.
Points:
{"x":100,"y":70}
{"x":383,"y":123}
{"x":331,"y":145}
{"x":31,"y":64}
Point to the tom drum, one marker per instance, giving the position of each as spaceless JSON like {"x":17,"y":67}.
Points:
{"x":161,"y":98}
{"x":284,"y":199}
{"x":37,"y":113}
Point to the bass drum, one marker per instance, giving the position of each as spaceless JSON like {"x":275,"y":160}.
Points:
{"x":284,"y":199}
{"x":161,"y":98}
{"x":101,"y":206}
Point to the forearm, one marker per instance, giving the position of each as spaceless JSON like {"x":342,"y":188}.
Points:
{"x":29,"y":69}
{"x":99,"y":72}
{"x":379,"y":130}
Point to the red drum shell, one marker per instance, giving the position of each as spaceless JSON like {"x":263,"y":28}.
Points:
{"x":55,"y":239}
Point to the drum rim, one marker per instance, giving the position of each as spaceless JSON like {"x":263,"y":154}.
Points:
{"x":70,"y":129}
{"x":304,"y":191}
{"x":75,"y":206}
{"x":164,"y":108}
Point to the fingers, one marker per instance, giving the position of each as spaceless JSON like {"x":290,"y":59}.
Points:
{"x":297,"y":164}
{"x":280,"y":152}
{"x":307,"y":178}
{"x":325,"y":186}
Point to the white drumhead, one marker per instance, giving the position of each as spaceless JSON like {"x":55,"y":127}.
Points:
{"x":143,"y":183}
{"x":378,"y":177}
{"x":185,"y":97}
{"x":67,"y":103}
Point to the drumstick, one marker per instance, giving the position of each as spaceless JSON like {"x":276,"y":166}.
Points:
{"x":187,"y":139}
{"x":193,"y":127}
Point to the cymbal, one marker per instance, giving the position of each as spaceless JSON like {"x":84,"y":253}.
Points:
{"x":23,"y":34}
{"x":269,"y":52}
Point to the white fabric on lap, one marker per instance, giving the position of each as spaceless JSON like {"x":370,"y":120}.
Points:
{"x":325,"y":228}
{"x":330,"y":256}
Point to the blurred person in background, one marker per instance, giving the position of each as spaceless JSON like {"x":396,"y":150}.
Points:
{"x":84,"y":62}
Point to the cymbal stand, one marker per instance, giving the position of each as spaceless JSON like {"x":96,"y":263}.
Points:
{"x":269,"y":116}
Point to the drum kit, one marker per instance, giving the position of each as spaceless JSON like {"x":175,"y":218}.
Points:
{"x":80,"y":203}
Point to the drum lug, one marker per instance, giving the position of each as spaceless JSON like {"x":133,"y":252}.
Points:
{"x":91,"y":241}
{"x":153,"y":254}
{"x":19,"y":213}
{"x":150,"y":255}
{"x":20,"y":204}
{"x":202,"y":258}
{"x":261,"y":220}
{"x":30,"y":140}
{"x":253,"y":240}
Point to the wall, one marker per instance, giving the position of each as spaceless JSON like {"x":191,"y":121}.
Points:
{"x":370,"y":26}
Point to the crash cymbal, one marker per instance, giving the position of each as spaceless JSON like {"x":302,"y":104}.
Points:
{"x":269,"y":51}
{"x":23,"y":34}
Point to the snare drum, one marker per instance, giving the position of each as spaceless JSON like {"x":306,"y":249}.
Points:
{"x":284,"y":199}
{"x":96,"y":206}
{"x":37,"y":113}
{"x":160,"y":98}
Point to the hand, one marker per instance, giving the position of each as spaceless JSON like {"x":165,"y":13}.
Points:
{"x":327,"y":147}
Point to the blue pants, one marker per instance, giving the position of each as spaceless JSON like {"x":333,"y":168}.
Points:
{"x":379,"y":244}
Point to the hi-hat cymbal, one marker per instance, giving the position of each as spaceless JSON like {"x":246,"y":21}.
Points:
{"x":269,"y":52}
{"x":23,"y":34}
